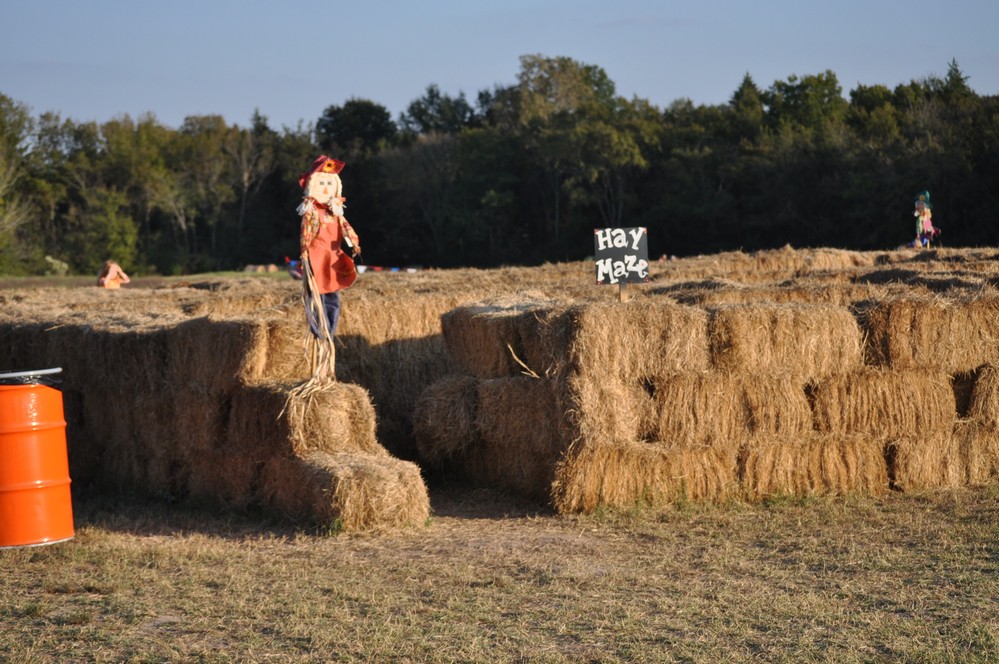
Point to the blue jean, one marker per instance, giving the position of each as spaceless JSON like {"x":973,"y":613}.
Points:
{"x":331,"y":305}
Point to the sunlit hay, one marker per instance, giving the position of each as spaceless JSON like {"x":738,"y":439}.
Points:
{"x":444,"y":418}
{"x":930,"y":460}
{"x":809,"y":341}
{"x":623,"y":475}
{"x":703,"y":407}
{"x":813,"y":464}
{"x":952,"y":335}
{"x":884,"y":403}
{"x":979,"y":448}
{"x":827,"y":260}
{"x":518,"y":441}
{"x":245,"y":296}
{"x":349,"y":491}
{"x":608,"y":410}
{"x":828,"y":294}
{"x":632,"y":341}
{"x":380,"y":317}
{"x":983,"y":405}
{"x":484,"y":338}
{"x":267,"y":420}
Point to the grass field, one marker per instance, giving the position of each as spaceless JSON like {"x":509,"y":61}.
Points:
{"x":491,"y":578}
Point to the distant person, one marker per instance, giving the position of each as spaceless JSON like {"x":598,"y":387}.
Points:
{"x":111,"y":276}
{"x":925,"y":231}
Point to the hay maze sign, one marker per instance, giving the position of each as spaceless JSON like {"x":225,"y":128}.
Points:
{"x":622,"y":255}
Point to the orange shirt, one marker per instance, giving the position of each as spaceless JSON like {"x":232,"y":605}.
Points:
{"x":331,"y":265}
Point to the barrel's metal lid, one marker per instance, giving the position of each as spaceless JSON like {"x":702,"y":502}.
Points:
{"x":39,"y":376}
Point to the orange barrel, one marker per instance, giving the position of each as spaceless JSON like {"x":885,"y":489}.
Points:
{"x":35,"y":503}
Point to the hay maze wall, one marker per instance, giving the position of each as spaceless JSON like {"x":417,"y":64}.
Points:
{"x":842,"y":379}
{"x":744,"y":375}
{"x":185,"y":393}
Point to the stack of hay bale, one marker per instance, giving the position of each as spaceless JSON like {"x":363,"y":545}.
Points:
{"x":656,"y":401}
{"x":202,"y":407}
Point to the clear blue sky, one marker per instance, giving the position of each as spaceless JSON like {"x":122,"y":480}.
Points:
{"x":97,"y":59}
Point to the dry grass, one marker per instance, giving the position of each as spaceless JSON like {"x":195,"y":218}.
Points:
{"x":906,"y":577}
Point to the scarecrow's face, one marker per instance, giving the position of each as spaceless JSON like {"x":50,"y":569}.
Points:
{"x":322,"y":187}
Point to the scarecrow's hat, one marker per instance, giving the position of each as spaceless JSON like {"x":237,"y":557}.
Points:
{"x":322,"y":164}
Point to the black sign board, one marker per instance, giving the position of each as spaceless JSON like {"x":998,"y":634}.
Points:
{"x":622,"y":255}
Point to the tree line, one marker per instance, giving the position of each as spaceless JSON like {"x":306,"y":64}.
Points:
{"x":522,"y":175}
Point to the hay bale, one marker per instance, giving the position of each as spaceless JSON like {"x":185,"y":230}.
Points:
{"x":950,"y":335}
{"x":268,"y":421}
{"x":979,"y":450}
{"x":884,"y":403}
{"x":444,"y":418}
{"x":352,"y":491}
{"x":218,"y":353}
{"x":393,"y":347}
{"x":607,"y":410}
{"x":810,"y":341}
{"x":983,"y":403}
{"x":484,"y":338}
{"x":813,"y":464}
{"x":799,"y":292}
{"x":700,"y":408}
{"x":633,"y":340}
{"x":627,"y":474}
{"x":932,"y":460}
{"x":518,"y":441}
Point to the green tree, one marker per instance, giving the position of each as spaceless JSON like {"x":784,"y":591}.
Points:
{"x":809,"y":102}
{"x":358,"y":129}
{"x":556,"y":96}
{"x":434,"y":112}
{"x":101,"y":229}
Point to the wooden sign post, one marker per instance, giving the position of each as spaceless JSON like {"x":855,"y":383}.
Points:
{"x":622,"y":257}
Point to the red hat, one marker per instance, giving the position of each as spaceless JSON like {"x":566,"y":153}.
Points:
{"x":322,"y":164}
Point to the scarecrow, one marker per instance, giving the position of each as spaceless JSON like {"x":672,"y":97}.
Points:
{"x":925,"y":231}
{"x":326,"y":267}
